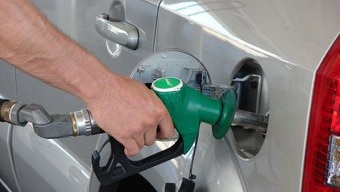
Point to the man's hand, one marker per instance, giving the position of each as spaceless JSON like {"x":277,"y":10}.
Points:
{"x":131,"y":113}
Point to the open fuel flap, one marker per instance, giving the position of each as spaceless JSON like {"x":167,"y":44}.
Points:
{"x":174,"y":64}
{"x":180,"y":65}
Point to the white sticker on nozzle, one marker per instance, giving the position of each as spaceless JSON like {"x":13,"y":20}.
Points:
{"x":167,"y":84}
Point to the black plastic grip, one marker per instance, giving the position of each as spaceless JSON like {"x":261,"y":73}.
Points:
{"x":119,"y":166}
{"x":96,"y":130}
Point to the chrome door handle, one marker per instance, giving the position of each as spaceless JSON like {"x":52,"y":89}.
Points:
{"x":121,"y":33}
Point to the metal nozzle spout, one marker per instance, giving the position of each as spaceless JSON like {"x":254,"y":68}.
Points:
{"x":250,"y":120}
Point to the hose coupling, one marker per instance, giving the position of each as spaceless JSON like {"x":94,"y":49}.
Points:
{"x":83,"y":123}
{"x":6,"y":107}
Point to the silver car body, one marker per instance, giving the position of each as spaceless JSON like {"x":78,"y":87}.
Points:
{"x":284,"y":41}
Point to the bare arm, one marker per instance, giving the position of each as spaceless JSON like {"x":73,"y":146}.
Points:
{"x":124,"y":108}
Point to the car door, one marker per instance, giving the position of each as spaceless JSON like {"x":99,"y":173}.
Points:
{"x":65,"y":164}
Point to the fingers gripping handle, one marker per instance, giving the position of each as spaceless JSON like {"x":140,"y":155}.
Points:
{"x":119,"y":166}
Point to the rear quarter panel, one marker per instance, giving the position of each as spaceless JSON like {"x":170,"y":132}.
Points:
{"x":288,"y":39}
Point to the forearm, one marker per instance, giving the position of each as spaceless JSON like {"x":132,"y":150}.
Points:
{"x":29,"y":42}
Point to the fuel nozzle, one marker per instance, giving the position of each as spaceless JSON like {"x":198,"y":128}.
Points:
{"x":189,"y":107}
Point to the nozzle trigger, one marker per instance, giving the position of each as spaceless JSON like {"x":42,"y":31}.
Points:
{"x":119,"y":166}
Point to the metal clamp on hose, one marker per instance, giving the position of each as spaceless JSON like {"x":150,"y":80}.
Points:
{"x":4,"y":117}
{"x":6,"y":107}
{"x":83,"y":123}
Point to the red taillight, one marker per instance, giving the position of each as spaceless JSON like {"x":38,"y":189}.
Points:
{"x":322,"y":160}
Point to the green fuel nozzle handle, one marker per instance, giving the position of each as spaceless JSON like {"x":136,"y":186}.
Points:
{"x":188,"y":108}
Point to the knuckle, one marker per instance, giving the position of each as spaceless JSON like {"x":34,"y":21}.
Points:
{"x":150,"y":122}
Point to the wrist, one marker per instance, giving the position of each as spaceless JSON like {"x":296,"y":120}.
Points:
{"x":90,"y":78}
